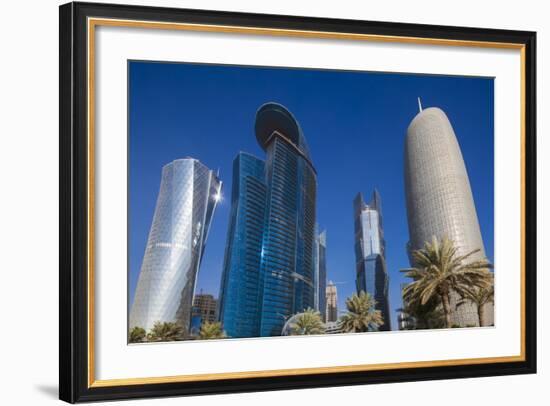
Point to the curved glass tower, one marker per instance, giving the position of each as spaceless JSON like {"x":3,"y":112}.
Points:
{"x":239,"y":306}
{"x":270,"y":263}
{"x":438,"y":193}
{"x":370,"y":254}
{"x":189,"y":193}
{"x":287,"y":265}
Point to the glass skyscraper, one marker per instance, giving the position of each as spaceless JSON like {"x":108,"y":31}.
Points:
{"x":370,"y":253}
{"x":240,"y":294}
{"x":439,"y":198}
{"x":269,"y":267}
{"x":189,"y":193}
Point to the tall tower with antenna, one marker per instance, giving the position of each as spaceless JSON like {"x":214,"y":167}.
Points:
{"x":439,"y":197}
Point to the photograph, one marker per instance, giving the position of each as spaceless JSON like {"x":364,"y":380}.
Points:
{"x":255,"y":202}
{"x":273,"y":201}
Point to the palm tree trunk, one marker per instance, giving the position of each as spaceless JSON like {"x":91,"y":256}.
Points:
{"x":447,"y":309}
{"x":481,"y":315}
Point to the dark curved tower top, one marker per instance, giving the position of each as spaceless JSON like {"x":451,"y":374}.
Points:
{"x":273,"y":118}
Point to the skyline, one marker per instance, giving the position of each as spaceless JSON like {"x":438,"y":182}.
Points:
{"x":157,"y":106}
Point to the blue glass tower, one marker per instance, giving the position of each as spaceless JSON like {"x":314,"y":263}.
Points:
{"x":239,"y":305}
{"x":287,"y":267}
{"x":269,"y":265}
{"x":370,"y":253}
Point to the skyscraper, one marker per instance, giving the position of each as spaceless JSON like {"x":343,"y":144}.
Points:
{"x":289,"y":238}
{"x":240,"y":290}
{"x":370,"y":253}
{"x":332,"y":302}
{"x":439,"y":197}
{"x":204,"y":310}
{"x":189,"y":193}
{"x":320,"y":279}
{"x":272,"y":224}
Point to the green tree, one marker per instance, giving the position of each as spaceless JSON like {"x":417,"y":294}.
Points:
{"x":361,"y":315}
{"x":137,"y":334}
{"x":440,"y":270}
{"x":480,"y":297}
{"x":306,"y":323}
{"x":210,"y":331}
{"x":428,"y":316}
{"x":165,"y":331}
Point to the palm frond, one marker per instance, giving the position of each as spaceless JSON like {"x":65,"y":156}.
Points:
{"x":361,"y":314}
{"x":440,"y":270}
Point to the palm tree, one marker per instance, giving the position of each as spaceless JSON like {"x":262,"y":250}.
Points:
{"x":480,"y":297}
{"x":427,"y":316}
{"x":361,"y":315}
{"x":210,"y":331}
{"x":137,"y":334}
{"x":306,"y":323}
{"x":165,"y":331}
{"x":440,"y":271}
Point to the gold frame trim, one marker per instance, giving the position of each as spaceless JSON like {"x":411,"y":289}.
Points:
{"x":94,"y":22}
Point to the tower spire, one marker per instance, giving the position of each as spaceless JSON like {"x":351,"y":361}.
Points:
{"x":419,"y":105}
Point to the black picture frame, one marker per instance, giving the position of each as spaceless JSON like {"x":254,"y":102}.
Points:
{"x":73,"y":255}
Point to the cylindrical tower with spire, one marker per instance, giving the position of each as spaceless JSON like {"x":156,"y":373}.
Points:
{"x":438,"y":193}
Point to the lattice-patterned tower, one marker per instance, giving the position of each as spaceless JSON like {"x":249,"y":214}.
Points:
{"x":189,"y":193}
{"x":439,"y":197}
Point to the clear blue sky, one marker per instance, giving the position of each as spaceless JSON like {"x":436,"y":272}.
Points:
{"x":354,"y":122}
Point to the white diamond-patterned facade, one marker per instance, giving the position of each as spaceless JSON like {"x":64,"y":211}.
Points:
{"x":188,"y":195}
{"x":439,"y":197}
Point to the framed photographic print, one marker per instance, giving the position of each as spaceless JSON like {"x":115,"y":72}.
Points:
{"x":256,"y":202}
